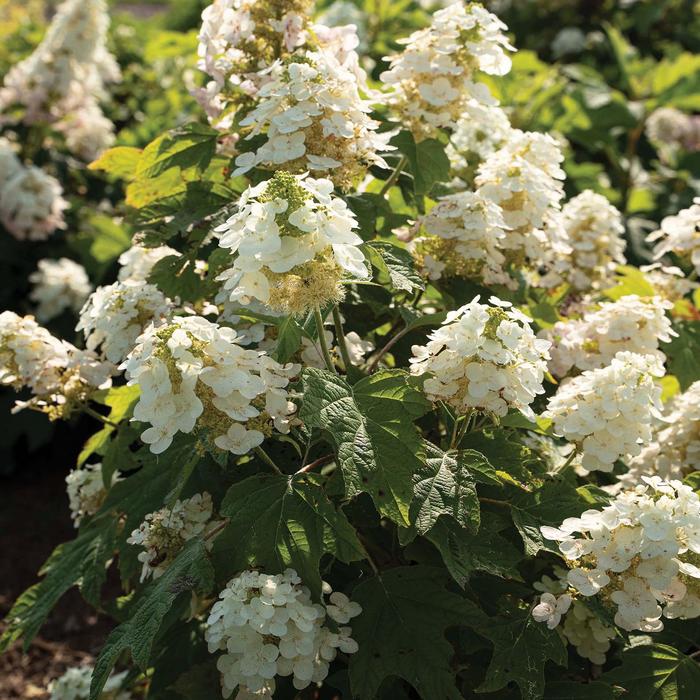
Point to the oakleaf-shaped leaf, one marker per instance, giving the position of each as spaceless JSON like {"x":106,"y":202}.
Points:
{"x":395,"y":266}
{"x":522,"y":647}
{"x":278,"y":522}
{"x":191,"y":570}
{"x":401,"y":632}
{"x":371,"y":424}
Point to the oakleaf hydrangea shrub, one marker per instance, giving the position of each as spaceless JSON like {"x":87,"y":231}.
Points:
{"x":384,"y":405}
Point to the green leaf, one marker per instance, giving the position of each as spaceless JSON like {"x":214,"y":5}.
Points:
{"x":175,"y":276}
{"x":401,"y":632}
{"x":289,"y":334}
{"x":104,"y":238}
{"x":683,"y":353}
{"x":189,"y":146}
{"x":277,"y":522}
{"x":522,"y":647}
{"x":569,"y":690}
{"x":464,"y":552}
{"x":371,"y":424}
{"x":656,"y":672}
{"x":81,"y":561}
{"x":121,"y":161}
{"x":395,"y":266}
{"x":443,"y":486}
{"x":190,"y":571}
{"x":427,"y":161}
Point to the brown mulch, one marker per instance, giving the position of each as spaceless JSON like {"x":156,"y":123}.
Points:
{"x":34,"y":518}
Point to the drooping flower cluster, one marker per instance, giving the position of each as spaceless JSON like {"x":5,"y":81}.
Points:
{"x":60,"y":376}
{"x":64,"y":78}
{"x":195,"y":376}
{"x":608,"y":412}
{"x":268,"y":626}
{"x":31,"y":204}
{"x":163,"y":534}
{"x":596,"y":236}
{"x":674,"y":451}
{"x":639,"y":554}
{"x":524,"y":178}
{"x":481,"y":130}
{"x":465,"y":235}
{"x":631,"y":323}
{"x":483,"y":358}
{"x":74,"y":684}
{"x":115,"y":316}
{"x":138,"y":261}
{"x":58,"y":285}
{"x":86,"y":491}
{"x":435,"y":76}
{"x":314,"y":118}
{"x":680,"y":235}
{"x":671,"y":131}
{"x":294,"y":242}
{"x":238,"y":41}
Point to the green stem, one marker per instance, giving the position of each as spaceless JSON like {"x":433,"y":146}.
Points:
{"x":569,"y":460}
{"x":394,"y":176}
{"x":268,"y":460}
{"x":98,"y":416}
{"x":340,"y":339}
{"x":322,"y":340}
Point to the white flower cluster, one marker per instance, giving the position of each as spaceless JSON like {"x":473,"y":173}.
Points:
{"x":86,"y":491}
{"x":631,"y":323}
{"x":483,"y":358}
{"x":465,"y":236}
{"x":194,"y":375}
{"x":638,"y":554}
{"x":65,"y":76}
{"x":581,"y":628}
{"x":238,"y":41}
{"x":74,"y":684}
{"x":58,"y":374}
{"x":596,"y":236}
{"x":314,"y":118}
{"x":138,"y":261}
{"x":294,"y":241}
{"x":481,"y":131}
{"x":524,"y":178}
{"x":115,"y":316}
{"x":163,"y":534}
{"x":58,"y":285}
{"x":680,"y":235}
{"x":669,"y":281}
{"x":608,"y":412}
{"x":434,"y":78}
{"x":671,"y":131}
{"x":674,"y":451}
{"x":268,"y":626}
{"x":31,"y":202}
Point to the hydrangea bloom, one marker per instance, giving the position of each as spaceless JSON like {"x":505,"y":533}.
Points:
{"x":163,"y":534}
{"x":435,"y":75}
{"x":194,"y":375}
{"x":137,"y":262}
{"x":608,"y":412}
{"x":679,"y":235}
{"x":32,"y":205}
{"x":569,"y":40}
{"x":87,"y":131}
{"x":268,"y":626}
{"x":465,"y":235}
{"x":524,"y":178}
{"x":115,"y":316}
{"x":58,"y":285}
{"x":551,"y":608}
{"x":9,"y":162}
{"x":314,"y":118}
{"x":596,"y":236}
{"x":74,"y":684}
{"x":637,"y":554}
{"x":86,"y":491}
{"x":674,"y":451}
{"x":483,"y":358}
{"x":294,"y":241}
{"x":669,"y":281}
{"x":630,"y":323}
{"x":59,"y":375}
{"x":68,"y":70}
